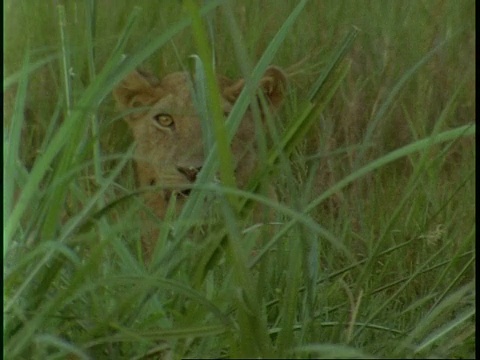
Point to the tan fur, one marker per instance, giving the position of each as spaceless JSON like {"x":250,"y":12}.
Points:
{"x":167,"y":129}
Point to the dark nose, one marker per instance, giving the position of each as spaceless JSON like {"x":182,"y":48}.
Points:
{"x":190,"y":172}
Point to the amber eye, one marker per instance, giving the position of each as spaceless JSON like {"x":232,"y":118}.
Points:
{"x":164,"y":120}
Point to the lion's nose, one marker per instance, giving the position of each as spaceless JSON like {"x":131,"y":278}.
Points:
{"x":190,"y":172}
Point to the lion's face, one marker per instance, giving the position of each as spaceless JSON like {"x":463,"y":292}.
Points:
{"x":167,"y":128}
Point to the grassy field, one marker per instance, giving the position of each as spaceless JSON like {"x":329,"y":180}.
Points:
{"x":372,"y":156}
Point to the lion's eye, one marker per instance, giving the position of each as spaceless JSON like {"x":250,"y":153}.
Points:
{"x":164,"y":120}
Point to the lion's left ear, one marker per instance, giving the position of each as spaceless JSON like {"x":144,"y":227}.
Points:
{"x":273,"y":85}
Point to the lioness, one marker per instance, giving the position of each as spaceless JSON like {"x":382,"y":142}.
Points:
{"x":168,"y":132}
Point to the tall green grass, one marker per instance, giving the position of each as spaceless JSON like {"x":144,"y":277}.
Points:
{"x":372,"y":156}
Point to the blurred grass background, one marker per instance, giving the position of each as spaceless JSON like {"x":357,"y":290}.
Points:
{"x":383,"y":267}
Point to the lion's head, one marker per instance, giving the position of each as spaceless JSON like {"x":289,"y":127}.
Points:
{"x":167,"y":128}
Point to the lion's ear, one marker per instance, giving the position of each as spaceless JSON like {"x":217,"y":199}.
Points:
{"x":139,"y":88}
{"x":273,"y":85}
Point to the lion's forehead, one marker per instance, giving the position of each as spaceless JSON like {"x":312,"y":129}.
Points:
{"x":177,"y":83}
{"x":175,"y":105}
{"x":179,"y":86}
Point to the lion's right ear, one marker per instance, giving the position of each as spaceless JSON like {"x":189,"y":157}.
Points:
{"x":138,"y":89}
{"x":273,"y":85}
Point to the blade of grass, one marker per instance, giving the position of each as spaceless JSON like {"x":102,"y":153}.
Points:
{"x":214,"y":104}
{"x":11,"y":146}
{"x":253,"y":330}
{"x":32,"y":67}
{"x":64,"y":43}
{"x":289,"y":304}
{"x":58,"y":197}
{"x":331,"y":351}
{"x":194,"y":203}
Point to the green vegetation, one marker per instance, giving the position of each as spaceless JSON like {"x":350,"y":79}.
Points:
{"x":373,"y":250}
